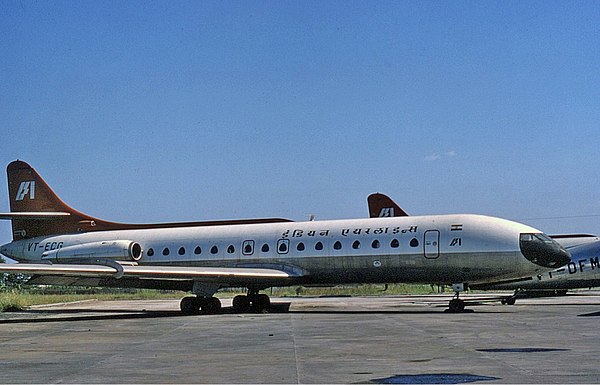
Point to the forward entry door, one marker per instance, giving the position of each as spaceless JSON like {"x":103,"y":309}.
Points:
{"x":431,"y":244}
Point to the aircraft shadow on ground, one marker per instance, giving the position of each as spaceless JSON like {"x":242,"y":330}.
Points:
{"x":88,"y":315}
{"x":82,"y":314}
{"x":437,"y":311}
{"x":594,"y":314}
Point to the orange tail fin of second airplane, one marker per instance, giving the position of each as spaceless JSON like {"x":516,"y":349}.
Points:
{"x":37,"y":211}
{"x":380,"y":205}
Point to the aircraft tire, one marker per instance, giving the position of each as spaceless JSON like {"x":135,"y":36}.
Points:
{"x":241,"y":304}
{"x":261,"y":303}
{"x":205,"y":305}
{"x":216,"y":304}
{"x":456,"y":305}
{"x":189,"y":305}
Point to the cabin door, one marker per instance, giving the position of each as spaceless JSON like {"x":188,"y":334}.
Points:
{"x":431,"y":244}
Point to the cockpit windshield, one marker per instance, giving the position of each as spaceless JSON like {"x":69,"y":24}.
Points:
{"x":543,"y":250}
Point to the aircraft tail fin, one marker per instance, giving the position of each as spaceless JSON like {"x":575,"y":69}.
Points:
{"x":380,"y":205}
{"x":35,"y":209}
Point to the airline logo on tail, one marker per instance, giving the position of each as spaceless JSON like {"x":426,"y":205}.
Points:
{"x":25,"y":188}
{"x":386,"y":212}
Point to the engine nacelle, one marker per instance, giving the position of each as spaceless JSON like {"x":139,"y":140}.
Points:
{"x":121,"y":250}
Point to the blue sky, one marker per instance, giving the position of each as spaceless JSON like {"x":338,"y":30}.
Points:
{"x":144,"y":111}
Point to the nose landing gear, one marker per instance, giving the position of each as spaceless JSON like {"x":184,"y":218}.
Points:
{"x":457,"y":305}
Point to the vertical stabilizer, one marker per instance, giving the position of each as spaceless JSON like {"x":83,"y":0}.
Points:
{"x":37,"y":211}
{"x":380,"y":205}
{"x":30,"y":197}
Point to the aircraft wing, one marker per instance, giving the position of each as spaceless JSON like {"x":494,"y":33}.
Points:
{"x":114,"y":273}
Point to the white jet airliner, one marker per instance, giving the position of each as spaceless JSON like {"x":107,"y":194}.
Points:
{"x":583,"y":271}
{"x":58,"y":245}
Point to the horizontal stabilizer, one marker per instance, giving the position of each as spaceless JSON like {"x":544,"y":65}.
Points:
{"x":64,"y":269}
{"x":34,"y":215}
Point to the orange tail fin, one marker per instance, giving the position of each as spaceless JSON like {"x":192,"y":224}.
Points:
{"x":380,"y":205}
{"x":36,"y":210}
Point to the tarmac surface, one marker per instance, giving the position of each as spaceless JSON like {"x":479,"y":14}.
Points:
{"x":408,"y":339}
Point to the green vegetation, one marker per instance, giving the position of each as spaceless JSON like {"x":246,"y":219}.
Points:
{"x":16,"y":299}
{"x":352,"y":290}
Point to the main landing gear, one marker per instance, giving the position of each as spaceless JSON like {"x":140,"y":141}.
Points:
{"x":509,"y":300}
{"x":200,"y":305}
{"x":522,"y":293}
{"x":252,"y":302}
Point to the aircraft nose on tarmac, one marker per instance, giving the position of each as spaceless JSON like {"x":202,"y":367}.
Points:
{"x":543,"y":250}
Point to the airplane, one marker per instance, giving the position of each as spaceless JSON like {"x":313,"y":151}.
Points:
{"x":583,"y":271}
{"x":58,"y":245}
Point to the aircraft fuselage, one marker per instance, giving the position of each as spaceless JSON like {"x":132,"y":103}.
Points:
{"x":420,"y":249}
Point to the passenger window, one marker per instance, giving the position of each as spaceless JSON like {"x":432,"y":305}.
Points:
{"x":356,"y":245}
{"x":337,"y":245}
{"x":214,"y":250}
{"x":319,"y":246}
{"x":197,"y":250}
{"x":395,"y":243}
{"x":265,"y":248}
{"x":150,"y":252}
{"x":300,"y":246}
{"x":181,"y":251}
{"x":231,"y":249}
{"x":166,"y":251}
{"x":375,"y":244}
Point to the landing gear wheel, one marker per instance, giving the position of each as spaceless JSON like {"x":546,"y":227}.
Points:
{"x":513,"y":298}
{"x":456,"y":305}
{"x":241,"y":304}
{"x":205,"y":305}
{"x":200,"y":305}
{"x":216,"y":304}
{"x":189,"y":306}
{"x":256,"y":303}
{"x":209,"y":305}
{"x":261,"y":303}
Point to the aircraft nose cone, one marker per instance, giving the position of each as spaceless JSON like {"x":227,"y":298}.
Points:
{"x":543,"y":250}
{"x":8,"y":250}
